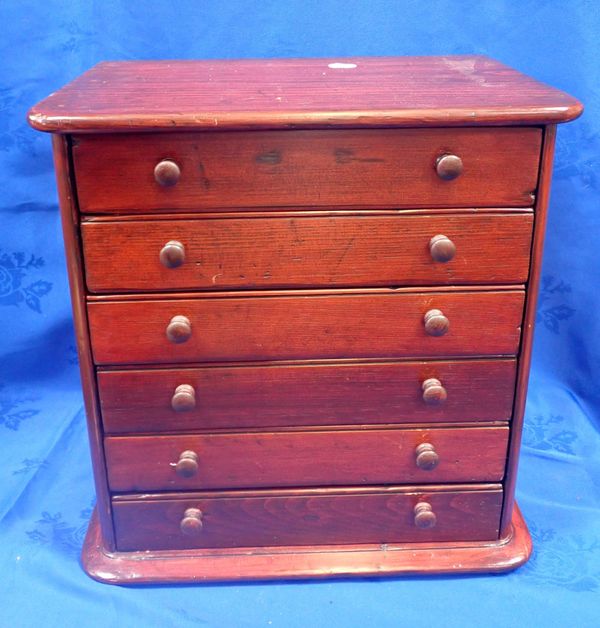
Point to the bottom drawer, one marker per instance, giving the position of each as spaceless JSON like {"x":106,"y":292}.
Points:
{"x":305,"y":517}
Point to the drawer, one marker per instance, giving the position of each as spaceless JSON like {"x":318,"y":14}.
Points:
{"x":350,"y":168}
{"x":304,"y":251}
{"x":368,"y":324}
{"x":246,"y":519}
{"x":305,"y":458}
{"x":209,"y":398}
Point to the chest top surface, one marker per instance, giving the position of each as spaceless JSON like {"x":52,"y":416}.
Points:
{"x":300,"y":93}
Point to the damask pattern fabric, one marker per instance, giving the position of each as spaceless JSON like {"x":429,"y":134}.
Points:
{"x":46,"y":490}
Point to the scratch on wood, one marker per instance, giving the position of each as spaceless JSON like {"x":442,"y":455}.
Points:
{"x":346,"y":156}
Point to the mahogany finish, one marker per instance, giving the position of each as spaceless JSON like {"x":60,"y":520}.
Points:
{"x":304,"y":316}
{"x":115,"y":173}
{"x":289,"y":327}
{"x":306,"y":394}
{"x":307,"y":458}
{"x":282,"y":93}
{"x":276,"y":252}
{"x":313,"y":519}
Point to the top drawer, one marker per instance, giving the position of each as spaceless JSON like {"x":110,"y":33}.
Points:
{"x":344,"y":168}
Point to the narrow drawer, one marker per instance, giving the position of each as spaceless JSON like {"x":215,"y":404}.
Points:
{"x":208,"y":398}
{"x":350,"y":168}
{"x":288,"y":252}
{"x":307,"y":458}
{"x":326,"y":517}
{"x":369,"y":324}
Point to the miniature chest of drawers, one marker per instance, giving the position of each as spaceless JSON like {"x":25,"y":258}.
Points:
{"x":304,"y":294}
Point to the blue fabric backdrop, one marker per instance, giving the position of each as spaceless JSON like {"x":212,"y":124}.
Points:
{"x":46,"y":491}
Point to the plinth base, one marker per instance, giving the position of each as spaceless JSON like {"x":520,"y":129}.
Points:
{"x":269,"y":563}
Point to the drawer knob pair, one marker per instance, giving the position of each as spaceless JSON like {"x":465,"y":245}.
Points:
{"x":191,"y":524}
{"x":434,"y":394}
{"x":448,"y":167}
{"x":424,"y":516}
{"x":167,"y":173}
{"x":436,"y":324}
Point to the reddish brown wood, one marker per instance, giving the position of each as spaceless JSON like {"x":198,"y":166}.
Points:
{"x":528,"y":324}
{"x":276,"y":93}
{"x":320,"y":458}
{"x":205,"y":565}
{"x":115,"y":173}
{"x":288,"y":327}
{"x":70,"y":220}
{"x":279,"y":252}
{"x":322,"y":519}
{"x":325,"y":394}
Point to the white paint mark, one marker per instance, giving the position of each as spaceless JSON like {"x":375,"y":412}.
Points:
{"x":341,"y":66}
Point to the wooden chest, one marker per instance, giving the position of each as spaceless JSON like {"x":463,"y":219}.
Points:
{"x":304,"y":295}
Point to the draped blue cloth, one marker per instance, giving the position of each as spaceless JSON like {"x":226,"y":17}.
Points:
{"x":46,"y":490}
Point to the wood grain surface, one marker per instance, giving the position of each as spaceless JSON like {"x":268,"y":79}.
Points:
{"x":288,"y":327}
{"x":356,"y":168}
{"x":322,"y":519}
{"x":282,"y":93}
{"x":319,"y":458}
{"x":284,"y":252}
{"x":138,"y":401}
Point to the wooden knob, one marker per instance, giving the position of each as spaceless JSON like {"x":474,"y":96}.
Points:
{"x":448,"y":167}
{"x":187,"y":465}
{"x":167,"y":173}
{"x":442,"y":249}
{"x":434,"y":394}
{"x":426,"y":457}
{"x":436,"y":324}
{"x":184,"y":398}
{"x":172,"y":254}
{"x":191,"y":524}
{"x":424,"y":516}
{"x":179,"y":329}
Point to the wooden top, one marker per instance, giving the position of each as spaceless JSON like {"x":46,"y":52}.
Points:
{"x":300,"y":93}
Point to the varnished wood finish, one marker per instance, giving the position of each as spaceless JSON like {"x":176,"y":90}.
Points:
{"x":282,"y":93}
{"x":305,"y":394}
{"x":288,"y":327}
{"x":70,"y":219}
{"x":307,"y":168}
{"x":374,"y":517}
{"x":301,"y":252}
{"x":314,"y":318}
{"x":319,"y":458}
{"x":206,"y":565}
{"x":529,"y":324}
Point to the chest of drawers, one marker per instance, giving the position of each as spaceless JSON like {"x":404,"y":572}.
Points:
{"x":304,"y":294}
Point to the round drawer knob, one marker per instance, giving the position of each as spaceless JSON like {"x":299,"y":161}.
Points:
{"x":184,"y":398}
{"x":426,"y":457}
{"x":442,"y":249}
{"x":187,"y":465}
{"x":434,"y":394}
{"x":436,"y":324}
{"x":179,"y":329}
{"x":167,"y":173}
{"x":424,"y":516}
{"x":191,"y":524}
{"x":448,"y":167}
{"x":172,"y":254}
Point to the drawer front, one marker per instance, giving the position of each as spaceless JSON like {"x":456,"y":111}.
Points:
{"x":351,"y":168}
{"x":160,"y":400}
{"x":326,"y":518}
{"x":310,"y":458}
{"x":288,"y":252}
{"x":359,"y":325}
